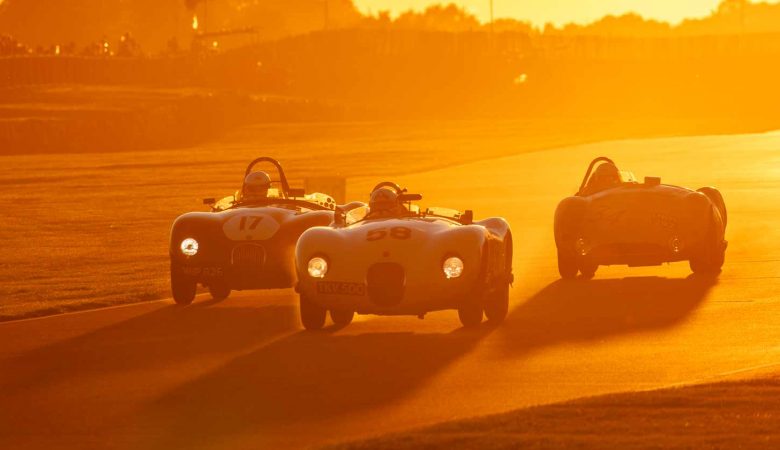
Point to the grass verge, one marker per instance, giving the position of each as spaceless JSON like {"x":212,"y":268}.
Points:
{"x":736,"y":414}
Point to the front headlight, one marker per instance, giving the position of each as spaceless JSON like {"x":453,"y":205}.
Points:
{"x":189,"y":247}
{"x":453,"y":267}
{"x":318,"y":267}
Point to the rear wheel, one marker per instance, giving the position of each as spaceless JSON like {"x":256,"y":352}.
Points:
{"x":709,"y":259}
{"x":341,"y":317}
{"x":710,"y":264}
{"x":219,"y":290}
{"x":588,"y":269}
{"x":312,"y":315}
{"x":183,"y":287}
{"x":567,"y":265}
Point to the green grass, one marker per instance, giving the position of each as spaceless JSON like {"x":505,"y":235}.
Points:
{"x":737,"y":414}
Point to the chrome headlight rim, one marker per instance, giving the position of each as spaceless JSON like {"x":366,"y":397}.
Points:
{"x":317,"y":267}
{"x":189,"y":247}
{"x":453,"y":266}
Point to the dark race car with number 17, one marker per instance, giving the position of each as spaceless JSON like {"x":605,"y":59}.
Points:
{"x":614,"y":220}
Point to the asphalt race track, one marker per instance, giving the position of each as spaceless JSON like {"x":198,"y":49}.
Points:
{"x":243,"y":374}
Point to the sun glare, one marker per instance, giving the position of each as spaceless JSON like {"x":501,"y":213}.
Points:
{"x":558,"y":12}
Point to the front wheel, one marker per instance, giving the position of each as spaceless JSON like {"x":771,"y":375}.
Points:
{"x":567,"y":265}
{"x":219,"y":290}
{"x":470,"y":314}
{"x":183,"y":287}
{"x":497,"y":303}
{"x":341,"y":317}
{"x":312,"y":314}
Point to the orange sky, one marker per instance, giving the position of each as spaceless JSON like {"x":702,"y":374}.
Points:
{"x":559,"y":11}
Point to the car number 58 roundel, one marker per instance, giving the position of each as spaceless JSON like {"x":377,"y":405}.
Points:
{"x":250,"y":226}
{"x":400,"y":233}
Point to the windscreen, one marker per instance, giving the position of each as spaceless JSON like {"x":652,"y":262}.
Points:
{"x":443,"y":212}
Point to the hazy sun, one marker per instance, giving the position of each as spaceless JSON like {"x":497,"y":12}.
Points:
{"x":558,"y":12}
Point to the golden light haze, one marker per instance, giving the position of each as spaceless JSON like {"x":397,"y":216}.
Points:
{"x":558,"y":12}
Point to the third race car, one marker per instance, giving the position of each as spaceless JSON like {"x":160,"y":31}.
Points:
{"x":613,"y":220}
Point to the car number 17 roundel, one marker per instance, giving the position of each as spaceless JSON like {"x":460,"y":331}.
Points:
{"x":250,"y":226}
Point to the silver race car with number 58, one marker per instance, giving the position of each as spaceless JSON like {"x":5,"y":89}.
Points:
{"x":247,"y":241}
{"x":390,"y":258}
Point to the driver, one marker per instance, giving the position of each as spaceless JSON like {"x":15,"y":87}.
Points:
{"x":384,"y":203}
{"x":604,"y":177}
{"x":256,"y":186}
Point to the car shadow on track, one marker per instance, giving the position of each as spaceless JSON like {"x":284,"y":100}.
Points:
{"x":162,"y":338}
{"x":301,"y":378}
{"x":586,"y":310}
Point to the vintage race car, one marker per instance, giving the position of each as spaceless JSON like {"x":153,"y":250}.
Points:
{"x":242,"y":244}
{"x":407,"y":263}
{"x":615,"y":220}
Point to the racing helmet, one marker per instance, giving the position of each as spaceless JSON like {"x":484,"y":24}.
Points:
{"x":256,"y":186}
{"x":606,"y":175}
{"x":382,"y":200}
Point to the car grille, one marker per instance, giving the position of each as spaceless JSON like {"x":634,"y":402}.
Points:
{"x":386,"y":283}
{"x":248,"y":255}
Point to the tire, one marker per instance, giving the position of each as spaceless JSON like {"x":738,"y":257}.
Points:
{"x":709,"y":259}
{"x":470,"y":315}
{"x":566,"y":226}
{"x":312,"y":315}
{"x":497,"y":301}
{"x":588,"y":269}
{"x":497,"y":304}
{"x":183,"y":287}
{"x":567,"y":265}
{"x":341,"y":317}
{"x":219,"y":290}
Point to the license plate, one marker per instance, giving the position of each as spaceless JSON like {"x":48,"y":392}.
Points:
{"x":202,"y":271}
{"x":341,"y":288}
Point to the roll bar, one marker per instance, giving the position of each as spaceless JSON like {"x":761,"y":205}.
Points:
{"x":590,"y":170}
{"x":275,"y":163}
{"x":391,"y":185}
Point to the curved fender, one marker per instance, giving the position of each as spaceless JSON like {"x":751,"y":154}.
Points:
{"x":198,"y":225}
{"x":314,"y":241}
{"x":460,"y":239}
{"x":717,"y":199}
{"x":568,"y":217}
{"x":497,"y":226}
{"x":705,"y":212}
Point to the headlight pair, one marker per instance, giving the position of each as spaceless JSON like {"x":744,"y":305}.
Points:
{"x":452,"y":267}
